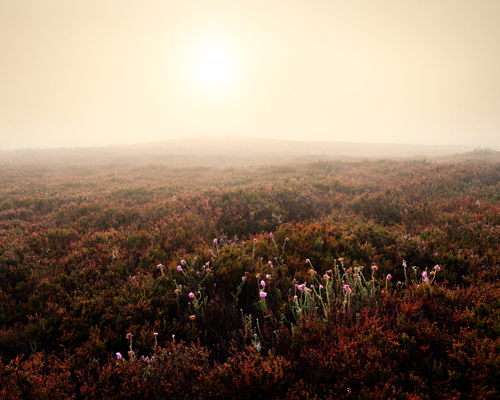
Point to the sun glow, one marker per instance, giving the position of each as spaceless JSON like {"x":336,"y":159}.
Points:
{"x":214,"y":66}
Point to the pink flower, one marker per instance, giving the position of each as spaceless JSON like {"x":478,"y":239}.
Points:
{"x":183,"y":262}
{"x":155,"y":334}
{"x":300,"y":287}
{"x":215,"y":241}
{"x":307,"y":260}
{"x":243,"y":278}
{"x":424,"y":274}
{"x":179,"y":268}
{"x":262,"y":283}
{"x":437,"y":268}
{"x":255,"y":240}
{"x":159,"y":266}
{"x":389,"y":277}
{"x":118,"y":356}
{"x":191,"y":295}
{"x":271,"y":235}
{"x":268,"y":276}
{"x":347,"y":288}
{"x":262,"y":295}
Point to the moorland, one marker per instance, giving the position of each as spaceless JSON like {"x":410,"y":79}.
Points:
{"x":327,"y":279}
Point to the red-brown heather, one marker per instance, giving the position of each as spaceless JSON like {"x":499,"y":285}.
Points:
{"x":93,"y":256}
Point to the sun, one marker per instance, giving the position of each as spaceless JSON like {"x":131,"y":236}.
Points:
{"x":214,"y":66}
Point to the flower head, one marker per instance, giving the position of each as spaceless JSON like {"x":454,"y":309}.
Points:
{"x":179,"y":268}
{"x":389,"y":277}
{"x":191,"y":295}
{"x":262,"y":295}
{"x":215,"y":241}
{"x":262,"y":283}
{"x":159,"y":266}
{"x":192,"y":317}
{"x":155,"y":334}
{"x":243,"y":278}
{"x":118,"y":356}
{"x":268,"y":276}
{"x":183,"y":262}
{"x":437,"y":268}
{"x":300,"y":287}
{"x":374,"y":268}
{"x":347,"y":288}
{"x":129,"y":336}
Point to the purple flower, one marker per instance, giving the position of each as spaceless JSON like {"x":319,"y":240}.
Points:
{"x":215,"y":241}
{"x":155,"y":334}
{"x":262,"y":295}
{"x":437,"y":268}
{"x":389,"y":277}
{"x":347,"y":288}
{"x":191,"y":295}
{"x":300,"y":287}
{"x":262,"y":283}
{"x":268,"y":276}
{"x":183,"y":262}
{"x":179,"y":268}
{"x":159,"y":266}
{"x":424,"y":274}
{"x":118,"y":356}
{"x":271,"y":235}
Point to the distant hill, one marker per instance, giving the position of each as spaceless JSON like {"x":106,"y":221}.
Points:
{"x":476,"y":154}
{"x":231,"y":151}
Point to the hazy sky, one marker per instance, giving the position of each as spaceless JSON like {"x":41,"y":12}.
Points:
{"x":98,"y":72}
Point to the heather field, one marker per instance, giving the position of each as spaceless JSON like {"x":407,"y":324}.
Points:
{"x":315,"y":280}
